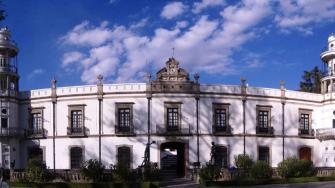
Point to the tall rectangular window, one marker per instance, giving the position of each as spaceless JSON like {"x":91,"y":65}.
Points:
{"x":304,"y":121}
{"x":172,"y":117}
{"x":124,"y":117}
{"x":263,"y":119}
{"x":76,"y":157}
{"x":221,"y":157}
{"x":264,"y":154}
{"x":4,"y":122}
{"x":36,"y":121}
{"x":76,"y":119}
{"x":220,"y":117}
{"x":124,"y":156}
{"x":333,"y":123}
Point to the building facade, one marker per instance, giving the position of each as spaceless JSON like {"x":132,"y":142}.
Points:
{"x":177,"y":116}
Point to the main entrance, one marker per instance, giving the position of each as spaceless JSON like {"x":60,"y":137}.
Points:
{"x":172,"y":158}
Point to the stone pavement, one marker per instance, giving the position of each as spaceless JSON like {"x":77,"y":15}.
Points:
{"x":180,"y":183}
{"x":329,"y":184}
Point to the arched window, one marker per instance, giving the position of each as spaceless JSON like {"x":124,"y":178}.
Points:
{"x":305,"y":153}
{"x":35,"y":154}
{"x":76,"y":157}
{"x":124,"y":156}
{"x":221,"y":157}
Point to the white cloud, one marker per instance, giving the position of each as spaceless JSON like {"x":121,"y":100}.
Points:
{"x":83,"y":35}
{"x":300,"y":15}
{"x":205,"y":45}
{"x":71,"y":57}
{"x":143,"y":22}
{"x":173,"y":9}
{"x":35,"y":73}
{"x":199,"y":6}
{"x":182,"y":24}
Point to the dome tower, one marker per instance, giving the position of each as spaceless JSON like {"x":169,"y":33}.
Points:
{"x":9,"y":80}
{"x":328,"y":57}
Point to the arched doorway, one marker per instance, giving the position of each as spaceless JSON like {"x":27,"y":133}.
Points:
{"x":305,"y":153}
{"x":173,"y":158}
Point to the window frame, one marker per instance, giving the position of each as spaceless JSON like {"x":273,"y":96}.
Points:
{"x":42,"y":148}
{"x":302,"y":121}
{"x":33,"y":111}
{"x":263,"y":109}
{"x":77,"y":107}
{"x":130,"y":147}
{"x":226,"y":159}
{"x":124,"y":106}
{"x":220,"y":106}
{"x":259,"y":148}
{"x":172,"y":105}
{"x":82,"y":156}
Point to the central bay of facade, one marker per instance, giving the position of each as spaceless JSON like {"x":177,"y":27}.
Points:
{"x":173,"y":114}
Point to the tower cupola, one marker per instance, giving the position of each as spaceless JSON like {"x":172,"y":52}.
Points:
{"x":8,"y":64}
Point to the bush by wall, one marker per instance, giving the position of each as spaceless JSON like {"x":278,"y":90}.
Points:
{"x":93,"y":169}
{"x":243,"y":161}
{"x":36,"y":171}
{"x":293,"y":167}
{"x":209,"y":172}
{"x":261,"y":170}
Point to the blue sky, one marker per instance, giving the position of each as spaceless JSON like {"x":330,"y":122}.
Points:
{"x":75,"y":40}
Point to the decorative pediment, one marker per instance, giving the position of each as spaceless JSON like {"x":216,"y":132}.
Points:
{"x":172,"y":72}
{"x":173,"y":79}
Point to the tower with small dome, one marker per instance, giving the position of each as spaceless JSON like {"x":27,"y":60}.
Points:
{"x":9,"y":79}
{"x":328,"y":57}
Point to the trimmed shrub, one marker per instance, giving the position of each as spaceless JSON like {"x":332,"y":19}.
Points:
{"x":209,"y":172}
{"x":122,"y":172}
{"x":150,"y":172}
{"x":93,"y":169}
{"x":261,"y":170}
{"x":293,"y":167}
{"x":243,"y":161}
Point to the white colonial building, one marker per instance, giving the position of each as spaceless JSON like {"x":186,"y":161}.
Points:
{"x":177,"y":115}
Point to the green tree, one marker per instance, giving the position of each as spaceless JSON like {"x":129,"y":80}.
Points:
{"x":311,"y":81}
{"x":2,"y":11}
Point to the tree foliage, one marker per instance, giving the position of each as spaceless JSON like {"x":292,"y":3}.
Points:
{"x":2,"y":11}
{"x":93,"y":169}
{"x":243,"y":161}
{"x":261,"y":170}
{"x":311,"y":81}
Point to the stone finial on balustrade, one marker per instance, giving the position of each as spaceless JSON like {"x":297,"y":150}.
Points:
{"x":100,"y":91}
{"x":196,"y":78}
{"x":282,"y":91}
{"x":53,"y":90}
{"x":147,"y":77}
{"x":243,"y":87}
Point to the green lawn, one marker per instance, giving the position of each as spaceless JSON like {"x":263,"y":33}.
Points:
{"x":87,"y":185}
